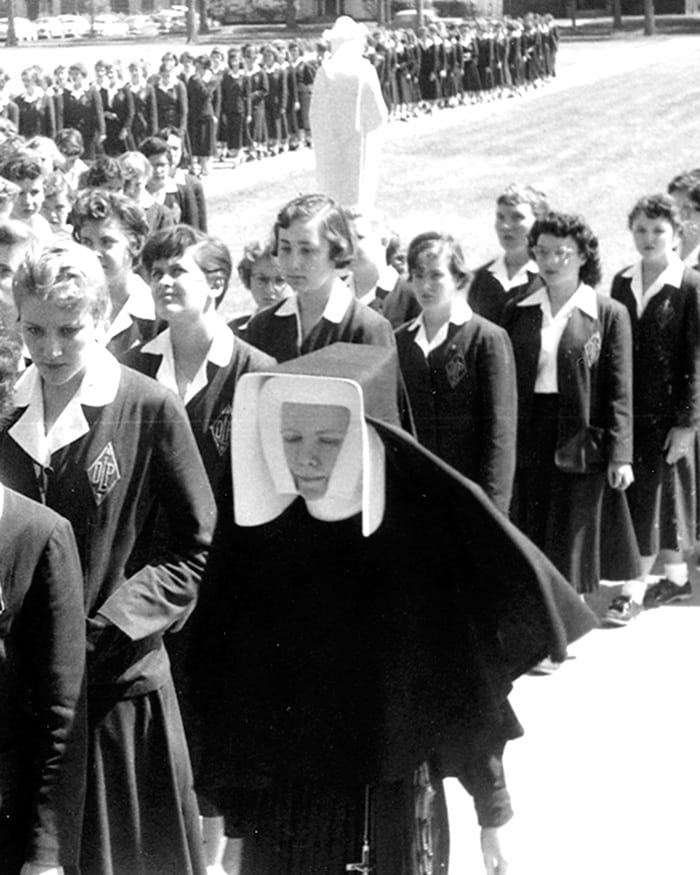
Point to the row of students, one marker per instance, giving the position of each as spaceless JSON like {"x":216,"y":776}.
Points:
{"x":255,"y":101}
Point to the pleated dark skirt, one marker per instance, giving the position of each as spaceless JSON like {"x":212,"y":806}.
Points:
{"x":141,"y":814}
{"x":562,"y":512}
{"x":663,"y":502}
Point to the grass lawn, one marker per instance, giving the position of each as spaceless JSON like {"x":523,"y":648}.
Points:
{"x":619,"y":122}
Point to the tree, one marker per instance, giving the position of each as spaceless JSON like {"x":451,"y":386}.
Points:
{"x":191,"y":22}
{"x":617,"y":14}
{"x":649,"y":18}
{"x":11,"y":32}
{"x":290,"y":14}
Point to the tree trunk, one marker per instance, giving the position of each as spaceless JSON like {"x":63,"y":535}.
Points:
{"x":191,"y":22}
{"x":649,"y":18}
{"x":11,"y":33}
{"x":617,"y":14}
{"x":290,"y":16}
{"x":203,"y":23}
{"x":419,"y":9}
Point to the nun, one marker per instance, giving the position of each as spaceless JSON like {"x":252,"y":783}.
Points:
{"x":364,"y":614}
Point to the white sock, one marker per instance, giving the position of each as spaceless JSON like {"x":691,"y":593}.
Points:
{"x":635,"y":589}
{"x":676,"y":572}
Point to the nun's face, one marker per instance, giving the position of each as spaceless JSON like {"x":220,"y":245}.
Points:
{"x":313,"y":435}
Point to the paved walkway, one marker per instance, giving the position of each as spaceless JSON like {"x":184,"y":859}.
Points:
{"x":605,"y":780}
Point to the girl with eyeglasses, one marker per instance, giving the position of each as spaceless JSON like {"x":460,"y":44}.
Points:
{"x":573,"y":354}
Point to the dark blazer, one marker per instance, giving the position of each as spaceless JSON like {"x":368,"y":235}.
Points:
{"x":138,"y":458}
{"x":463,"y":402}
{"x":85,"y":114}
{"x":487,"y":297}
{"x":666,"y":359}
{"x":42,"y":663}
{"x":277,"y":335}
{"x":594,"y":363}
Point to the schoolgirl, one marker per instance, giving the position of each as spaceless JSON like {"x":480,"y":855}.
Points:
{"x":81,"y":108}
{"x":313,"y":240}
{"x":662,"y":297}
{"x":115,"y":228}
{"x":510,"y":274}
{"x":259,"y":272}
{"x":573,"y":355}
{"x":36,"y":110}
{"x":458,"y":371}
{"x":109,"y":449}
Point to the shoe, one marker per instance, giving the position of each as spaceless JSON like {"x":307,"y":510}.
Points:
{"x":622,"y":611}
{"x":666,"y":593}
{"x":545,"y":667}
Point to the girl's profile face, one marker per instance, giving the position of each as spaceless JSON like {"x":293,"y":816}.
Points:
{"x":30,"y":197}
{"x":433,"y":282}
{"x":55,"y":210}
{"x":110,"y":241}
{"x":655,"y":238}
{"x":313,"y":435}
{"x":59,"y":339}
{"x":304,"y":256}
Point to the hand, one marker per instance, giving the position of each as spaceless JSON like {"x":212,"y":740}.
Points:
{"x":39,"y":869}
{"x":492,"y":850}
{"x":123,"y":134}
{"x":620,"y":475}
{"x":678,"y":443}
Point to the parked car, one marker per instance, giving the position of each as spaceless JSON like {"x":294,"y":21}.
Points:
{"x":110,"y":25}
{"x":142,"y":25}
{"x":25,"y":30}
{"x":49,"y":27}
{"x":74,"y":25}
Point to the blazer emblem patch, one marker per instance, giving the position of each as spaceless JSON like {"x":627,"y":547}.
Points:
{"x":220,"y":430}
{"x":104,"y":474}
{"x":591,"y":349}
{"x":665,"y":314}
{"x":456,"y":370}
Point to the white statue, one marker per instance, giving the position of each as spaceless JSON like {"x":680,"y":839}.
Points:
{"x":348,"y":115}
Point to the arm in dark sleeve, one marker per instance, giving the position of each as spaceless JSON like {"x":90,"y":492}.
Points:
{"x":499,"y":412}
{"x":163,"y":592}
{"x":688,"y":413}
{"x":482,"y":775}
{"x":618,"y":370}
{"x":53,"y":629}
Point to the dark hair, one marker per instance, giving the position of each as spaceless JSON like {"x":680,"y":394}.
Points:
{"x":334,"y":225}
{"x":154,"y":146}
{"x":69,"y":141}
{"x":684,"y":181}
{"x":77,"y":67}
{"x":57,"y":184}
{"x":210,"y":254}
{"x":515,"y":194}
{"x":252,"y":252}
{"x":393,"y":246}
{"x":439,"y":241}
{"x":656,"y":206}
{"x":97,"y":205}
{"x":104,"y":172}
{"x":22,"y":166}
{"x":565,"y":225}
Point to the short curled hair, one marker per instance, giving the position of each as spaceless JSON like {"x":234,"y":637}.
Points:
{"x":438,"y":242}
{"x":334,"y":225}
{"x":135,"y":165}
{"x":210,"y":254}
{"x":56,"y":185}
{"x":98,"y":205}
{"x":515,"y":194}
{"x":66,"y":274}
{"x":78,"y":67}
{"x":10,"y":352}
{"x":683,"y":182}
{"x":252,"y":253}
{"x":154,"y":146}
{"x":21,"y":166}
{"x":568,"y":225}
{"x":69,"y":142}
{"x":104,"y":172}
{"x":656,"y":206}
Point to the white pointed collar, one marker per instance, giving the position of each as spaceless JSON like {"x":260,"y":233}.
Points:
{"x":139,"y":305}
{"x":97,"y":389}
{"x":499,"y":270}
{"x":584,"y":298}
{"x":460,"y":314}
{"x":672,"y":275}
{"x":219,"y":354}
{"x":336,"y":307}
